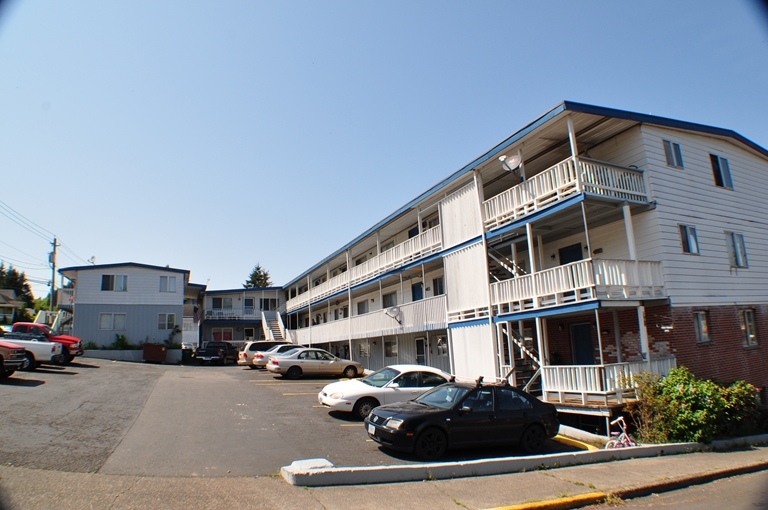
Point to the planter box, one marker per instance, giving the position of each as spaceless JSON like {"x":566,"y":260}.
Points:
{"x":173,"y":356}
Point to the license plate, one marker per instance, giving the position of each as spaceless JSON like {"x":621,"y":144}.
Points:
{"x":371,"y":430}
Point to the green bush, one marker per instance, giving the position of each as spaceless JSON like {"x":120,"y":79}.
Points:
{"x":682,"y":408}
{"x":121,"y":344}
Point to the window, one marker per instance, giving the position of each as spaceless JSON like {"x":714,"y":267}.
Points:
{"x":430,"y":223}
{"x":249,"y":302}
{"x":721,"y":171}
{"x":737,"y":250}
{"x":386,"y":246}
{"x":413,"y":232}
{"x":112,"y":321}
{"x":390,"y":348}
{"x":268,"y":303}
{"x":222,"y":334}
{"x":362,"y":307}
{"x":166,"y":321}
{"x":674,"y":154}
{"x":748,"y":327}
{"x":117,"y":283}
{"x":364,"y":349}
{"x":167,"y":284}
{"x":689,"y":239}
{"x":700,"y":327}
{"x":249,"y":333}
{"x":510,"y":400}
{"x":428,"y":379}
{"x":389,"y":300}
{"x":220,"y":303}
{"x":437,"y":287}
{"x":442,"y":346}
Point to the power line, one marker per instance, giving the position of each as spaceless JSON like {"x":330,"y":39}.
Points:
{"x":23,"y":222}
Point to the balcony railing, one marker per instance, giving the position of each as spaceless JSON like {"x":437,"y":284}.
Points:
{"x":598,"y":384}
{"x":423,"y":315}
{"x":579,"y":281}
{"x":574,"y":175}
{"x":248,"y":313}
{"x":417,"y":247}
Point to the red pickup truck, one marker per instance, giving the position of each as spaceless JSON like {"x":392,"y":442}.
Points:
{"x":71,"y":345}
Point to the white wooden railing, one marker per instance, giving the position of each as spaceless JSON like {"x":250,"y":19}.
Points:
{"x":423,"y":315}
{"x":426,"y":243}
{"x":233,"y":313}
{"x":574,"y":175}
{"x":598,"y":384}
{"x":579,"y":281}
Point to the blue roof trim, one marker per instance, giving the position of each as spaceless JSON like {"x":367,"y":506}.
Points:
{"x":122,"y":264}
{"x":466,"y":324}
{"x":241,"y":291}
{"x":564,"y":106}
{"x":547,"y":312}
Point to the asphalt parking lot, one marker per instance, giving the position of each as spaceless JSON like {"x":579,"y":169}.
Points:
{"x":99,"y":416}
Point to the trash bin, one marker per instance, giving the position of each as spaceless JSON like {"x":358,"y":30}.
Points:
{"x":155,"y":353}
{"x":186,"y":356}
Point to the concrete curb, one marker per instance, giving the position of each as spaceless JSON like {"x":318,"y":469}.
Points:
{"x":321,"y":472}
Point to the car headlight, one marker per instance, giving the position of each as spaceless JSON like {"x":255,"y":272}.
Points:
{"x":394,"y":423}
{"x":337,"y":395}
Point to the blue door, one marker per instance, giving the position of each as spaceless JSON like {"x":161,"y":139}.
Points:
{"x":417,"y":291}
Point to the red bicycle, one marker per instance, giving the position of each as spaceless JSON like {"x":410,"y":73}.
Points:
{"x":620,"y":439}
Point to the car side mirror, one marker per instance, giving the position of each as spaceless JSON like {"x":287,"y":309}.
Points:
{"x":394,"y":385}
{"x":465,"y":410}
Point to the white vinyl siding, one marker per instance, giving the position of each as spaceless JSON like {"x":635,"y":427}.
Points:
{"x":460,"y":213}
{"x":143,"y":288}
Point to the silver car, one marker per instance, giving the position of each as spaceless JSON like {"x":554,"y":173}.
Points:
{"x":312,"y":362}
{"x":260,"y":358}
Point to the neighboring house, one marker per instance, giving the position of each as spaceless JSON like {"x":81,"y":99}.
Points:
{"x":240,"y":315}
{"x":145,"y":303}
{"x":9,"y":304}
{"x":590,"y":245}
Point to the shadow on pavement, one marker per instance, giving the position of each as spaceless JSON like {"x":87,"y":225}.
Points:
{"x":15,"y":381}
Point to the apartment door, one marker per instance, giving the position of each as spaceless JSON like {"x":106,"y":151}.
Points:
{"x":421,"y":351}
{"x":570,"y":254}
{"x":417,"y":291}
{"x":581,"y":344}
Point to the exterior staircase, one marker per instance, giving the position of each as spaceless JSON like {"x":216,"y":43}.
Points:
{"x":274,"y":327}
{"x":519,"y":359}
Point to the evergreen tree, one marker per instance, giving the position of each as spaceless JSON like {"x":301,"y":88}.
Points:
{"x":259,"y":278}
{"x":10,"y":278}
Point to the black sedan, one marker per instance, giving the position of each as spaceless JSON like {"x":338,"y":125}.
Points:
{"x":458,"y":414}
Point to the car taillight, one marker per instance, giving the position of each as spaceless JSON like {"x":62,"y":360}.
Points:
{"x":53,"y":349}
{"x":258,"y":356}
{"x":274,"y":362}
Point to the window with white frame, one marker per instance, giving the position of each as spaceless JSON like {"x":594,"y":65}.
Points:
{"x":268,"y":304}
{"x":389,"y":300}
{"x":701,"y":327}
{"x":437,"y":287}
{"x":721,"y":171}
{"x":442,"y":346}
{"x":166,"y":321}
{"x":673,"y":154}
{"x":250,"y":303}
{"x":219,"y":303}
{"x":737,"y":250}
{"x":362,"y":307}
{"x":167,"y":284}
{"x":387,"y":246}
{"x":748,"y":327}
{"x":112,"y":321}
{"x":114,"y":282}
{"x":249,"y":333}
{"x":689,"y":239}
{"x":390,"y":348}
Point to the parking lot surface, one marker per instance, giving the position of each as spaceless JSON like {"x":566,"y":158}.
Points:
{"x":99,"y":416}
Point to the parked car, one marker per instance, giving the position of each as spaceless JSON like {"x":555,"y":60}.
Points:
{"x":188,"y":346}
{"x":72,"y":346}
{"x":37,"y":350}
{"x":250,"y":348}
{"x":461,"y":414}
{"x":216,"y":352}
{"x":260,"y":358}
{"x":310,"y":361}
{"x":11,"y":358}
{"x":391,"y":384}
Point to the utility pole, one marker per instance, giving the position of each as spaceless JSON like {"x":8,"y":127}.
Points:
{"x":52,"y":260}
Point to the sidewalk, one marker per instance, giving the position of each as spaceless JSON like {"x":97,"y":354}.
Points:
{"x":27,"y":489}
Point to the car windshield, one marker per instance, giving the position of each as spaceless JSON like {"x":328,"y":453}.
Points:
{"x":444,"y":396}
{"x":380,"y":377}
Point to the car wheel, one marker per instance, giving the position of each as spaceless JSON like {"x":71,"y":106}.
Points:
{"x":5,"y":374}
{"x":431,"y":444}
{"x":533,"y":439}
{"x":364,"y":406}
{"x":252,"y":367}
{"x":66,"y":357}
{"x":201,"y":362}
{"x":29,"y":362}
{"x":293,"y":373}
{"x":350,"y":372}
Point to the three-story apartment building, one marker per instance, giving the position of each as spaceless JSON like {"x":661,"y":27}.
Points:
{"x":588,"y":246}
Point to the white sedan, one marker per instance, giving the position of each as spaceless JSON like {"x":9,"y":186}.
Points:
{"x":394,"y":383}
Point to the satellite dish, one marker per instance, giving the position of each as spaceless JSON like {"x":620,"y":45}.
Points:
{"x":510,"y":163}
{"x":393,"y":312}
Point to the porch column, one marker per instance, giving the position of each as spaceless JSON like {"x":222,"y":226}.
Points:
{"x":572,"y":136}
{"x":629,"y":230}
{"x":540,"y":341}
{"x":349,"y":306}
{"x":418,"y":219}
{"x":644,"y":346}
{"x":514,"y":260}
{"x":309,"y":306}
{"x":378,"y":243}
{"x":540,"y":252}
{"x":531,"y":253}
{"x":522,"y":164}
{"x":599,"y":336}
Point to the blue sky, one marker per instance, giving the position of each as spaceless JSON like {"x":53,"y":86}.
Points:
{"x":214,"y":135}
